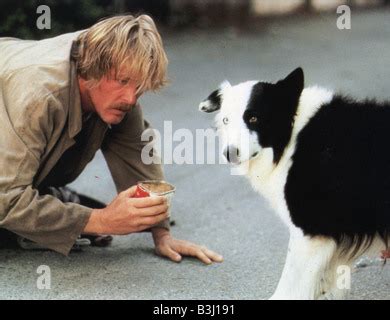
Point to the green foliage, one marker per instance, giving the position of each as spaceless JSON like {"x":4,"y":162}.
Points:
{"x":18,"y":17}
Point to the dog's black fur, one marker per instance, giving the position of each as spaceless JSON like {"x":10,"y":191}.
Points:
{"x":339,"y":182}
{"x":323,"y":162}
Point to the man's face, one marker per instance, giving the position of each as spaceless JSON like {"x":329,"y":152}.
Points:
{"x":113,"y":97}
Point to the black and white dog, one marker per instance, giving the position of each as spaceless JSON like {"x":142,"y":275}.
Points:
{"x":322,"y":160}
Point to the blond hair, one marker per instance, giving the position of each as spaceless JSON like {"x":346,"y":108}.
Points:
{"x":122,"y":43}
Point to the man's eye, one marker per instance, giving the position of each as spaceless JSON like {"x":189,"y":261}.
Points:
{"x":123,"y":82}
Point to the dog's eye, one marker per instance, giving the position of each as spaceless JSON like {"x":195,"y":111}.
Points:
{"x":253,"y":119}
{"x":225,"y":120}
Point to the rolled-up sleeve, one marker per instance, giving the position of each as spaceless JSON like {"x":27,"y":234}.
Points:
{"x":122,"y":149}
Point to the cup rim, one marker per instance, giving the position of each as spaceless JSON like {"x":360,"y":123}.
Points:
{"x":173,"y":188}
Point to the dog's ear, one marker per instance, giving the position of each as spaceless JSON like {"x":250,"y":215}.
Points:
{"x":283,"y":99}
{"x":293,"y":84}
{"x":213,"y":102}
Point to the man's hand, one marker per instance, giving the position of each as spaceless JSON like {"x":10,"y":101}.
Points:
{"x":125,"y":215}
{"x":173,"y":249}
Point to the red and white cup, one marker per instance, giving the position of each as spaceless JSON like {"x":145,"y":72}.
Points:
{"x":142,"y":191}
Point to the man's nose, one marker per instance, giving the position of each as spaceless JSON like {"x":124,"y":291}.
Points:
{"x":130,"y":97}
{"x":232,"y":154}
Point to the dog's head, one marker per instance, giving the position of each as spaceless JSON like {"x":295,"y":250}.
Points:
{"x":255,"y":115}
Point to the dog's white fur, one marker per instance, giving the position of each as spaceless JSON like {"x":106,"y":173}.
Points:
{"x":311,"y":267}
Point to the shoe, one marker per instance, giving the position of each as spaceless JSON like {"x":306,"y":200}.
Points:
{"x":99,"y":240}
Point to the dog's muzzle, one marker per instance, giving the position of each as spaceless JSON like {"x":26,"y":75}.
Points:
{"x":232,"y":154}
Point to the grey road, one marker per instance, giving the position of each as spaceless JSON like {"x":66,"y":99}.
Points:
{"x":211,"y":206}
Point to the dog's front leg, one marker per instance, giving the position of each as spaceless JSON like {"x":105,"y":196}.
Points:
{"x":332,"y":290}
{"x":306,"y":264}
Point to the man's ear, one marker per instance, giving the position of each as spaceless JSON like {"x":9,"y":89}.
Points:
{"x":213,"y":102}
{"x":293,"y":84}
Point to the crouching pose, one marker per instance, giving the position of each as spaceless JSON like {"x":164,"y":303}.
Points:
{"x":61,"y":100}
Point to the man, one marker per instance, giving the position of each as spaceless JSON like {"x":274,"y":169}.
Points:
{"x":62,"y":99}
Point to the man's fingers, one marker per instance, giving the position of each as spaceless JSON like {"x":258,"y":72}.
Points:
{"x":202,"y":256}
{"x":130,"y":192}
{"x":212,"y":255}
{"x":195,"y":251}
{"x":153,"y":211}
{"x":148,"y":201}
{"x":153,"y":220}
{"x":166,"y":251}
{"x":202,"y":253}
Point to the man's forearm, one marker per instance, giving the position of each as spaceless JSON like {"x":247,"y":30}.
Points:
{"x":159,"y":233}
{"x":95,"y":225}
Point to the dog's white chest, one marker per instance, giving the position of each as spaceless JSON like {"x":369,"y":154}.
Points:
{"x":269,"y":181}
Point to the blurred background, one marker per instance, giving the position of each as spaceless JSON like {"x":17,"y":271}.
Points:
{"x":18,"y":17}
{"x":208,"y":41}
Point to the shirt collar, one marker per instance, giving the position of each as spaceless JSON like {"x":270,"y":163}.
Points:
{"x":75,"y":112}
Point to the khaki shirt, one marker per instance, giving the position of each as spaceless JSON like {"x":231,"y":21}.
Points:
{"x":40,"y":116}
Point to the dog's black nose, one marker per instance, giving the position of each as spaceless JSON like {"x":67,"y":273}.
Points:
{"x":232,"y":154}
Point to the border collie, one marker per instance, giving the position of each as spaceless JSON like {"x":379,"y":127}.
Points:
{"x":322,"y":160}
